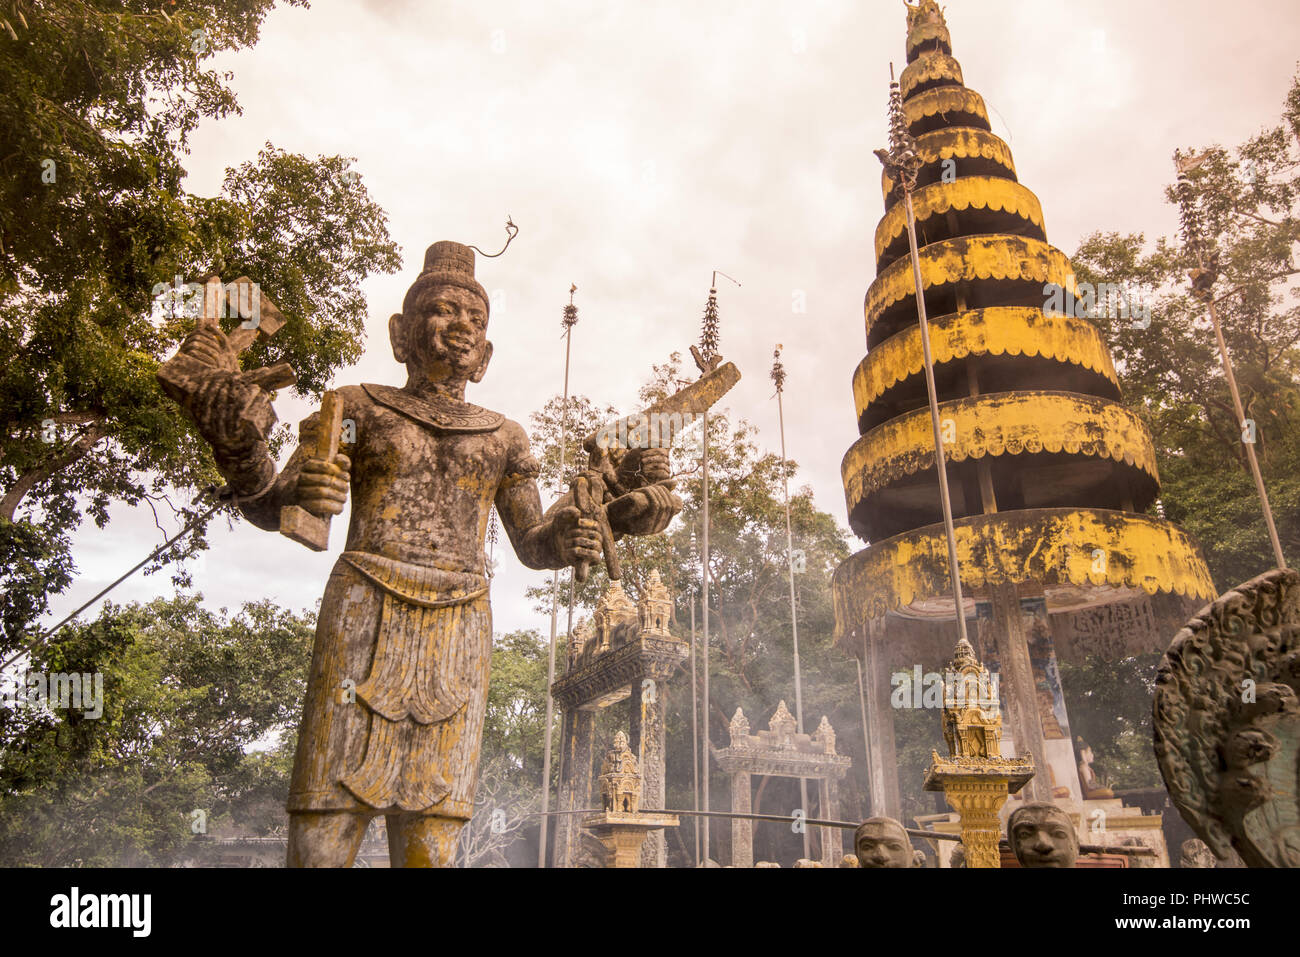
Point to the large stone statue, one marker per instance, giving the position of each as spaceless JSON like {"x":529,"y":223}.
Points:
{"x":882,"y":842}
{"x":1042,"y":835}
{"x":396,"y":696}
{"x":1227,"y":721}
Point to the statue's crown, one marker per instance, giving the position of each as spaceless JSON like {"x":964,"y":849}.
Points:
{"x":451,"y":264}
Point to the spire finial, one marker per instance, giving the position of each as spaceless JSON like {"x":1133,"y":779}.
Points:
{"x":778,"y":370}
{"x":570,"y":311}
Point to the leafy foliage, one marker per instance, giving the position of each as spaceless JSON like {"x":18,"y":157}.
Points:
{"x":187,"y":695}
{"x":94,"y":222}
{"x":1170,"y":369}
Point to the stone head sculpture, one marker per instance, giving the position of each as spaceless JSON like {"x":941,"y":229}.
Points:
{"x":1196,"y":853}
{"x":441,"y":333}
{"x":882,"y":842}
{"x":1042,"y":835}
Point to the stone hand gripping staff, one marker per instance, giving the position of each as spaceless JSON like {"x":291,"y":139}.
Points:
{"x":397,"y":692}
{"x":615,"y":446}
{"x":203,"y":380}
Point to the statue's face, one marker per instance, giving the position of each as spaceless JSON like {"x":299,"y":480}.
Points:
{"x":1042,"y":837}
{"x":882,"y":844}
{"x":446,"y":334}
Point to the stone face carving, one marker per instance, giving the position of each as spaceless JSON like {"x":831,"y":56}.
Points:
{"x":1196,"y":853}
{"x":1042,"y":835}
{"x":405,"y":619}
{"x":1227,"y":721}
{"x":882,"y":842}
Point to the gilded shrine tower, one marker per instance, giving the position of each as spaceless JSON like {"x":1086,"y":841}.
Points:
{"x":1050,"y":475}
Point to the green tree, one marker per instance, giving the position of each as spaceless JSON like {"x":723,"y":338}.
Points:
{"x":1170,"y":369}
{"x":94,"y":223}
{"x":504,"y":828}
{"x":188,"y":695}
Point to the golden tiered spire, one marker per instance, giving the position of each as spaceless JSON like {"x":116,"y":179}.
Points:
{"x":1036,"y":441}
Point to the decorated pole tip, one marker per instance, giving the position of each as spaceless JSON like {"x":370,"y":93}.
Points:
{"x":570,"y":311}
{"x":778,"y":370}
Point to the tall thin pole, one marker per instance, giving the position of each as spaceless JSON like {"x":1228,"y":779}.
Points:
{"x":778,"y":376}
{"x":866,"y":732}
{"x":1203,"y":289}
{"x":570,"y":320}
{"x":695,"y":733}
{"x":707,"y":359}
{"x":704,"y":606}
{"x":903,"y":164}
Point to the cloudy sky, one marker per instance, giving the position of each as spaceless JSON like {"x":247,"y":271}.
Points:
{"x":641,"y":146}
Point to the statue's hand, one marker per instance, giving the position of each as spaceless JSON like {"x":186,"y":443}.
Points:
{"x":323,"y":486}
{"x":642,"y":467}
{"x":209,"y":346}
{"x":643,"y":512}
{"x":574,"y":538}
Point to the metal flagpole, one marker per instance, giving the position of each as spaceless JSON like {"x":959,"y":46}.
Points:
{"x":695,"y":709}
{"x":569,"y":321}
{"x":707,"y":358}
{"x":778,"y":376}
{"x":862,"y":703}
{"x":903,"y":164}
{"x":1203,"y":288}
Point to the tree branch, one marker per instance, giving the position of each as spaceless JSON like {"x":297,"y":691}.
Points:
{"x":33,"y":477}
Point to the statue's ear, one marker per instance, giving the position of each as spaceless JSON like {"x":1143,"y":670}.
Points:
{"x":481,"y":371}
{"x":397,"y":336}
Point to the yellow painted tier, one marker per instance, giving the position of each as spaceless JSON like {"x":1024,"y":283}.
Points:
{"x":1001,"y":423}
{"x":1053,"y":546}
{"x":971,"y":192}
{"x":928,"y":67}
{"x":943,"y":100}
{"x":968,"y":259}
{"x":996,"y":331}
{"x":926,"y":33}
{"x":958,"y":142}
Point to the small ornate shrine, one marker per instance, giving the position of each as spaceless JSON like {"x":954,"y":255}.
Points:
{"x":975,"y":778}
{"x":621,"y":826}
{"x":626,"y":652}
